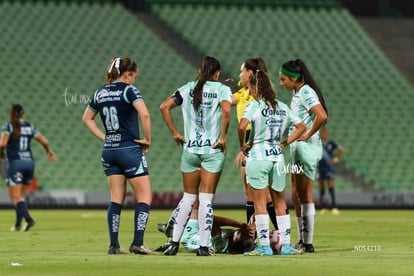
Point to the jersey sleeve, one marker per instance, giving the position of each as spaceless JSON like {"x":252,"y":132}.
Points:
{"x":7,"y":128}
{"x":249,"y":111}
{"x":309,"y":98}
{"x":226,"y":94}
{"x":132,"y":95}
{"x":92,"y":103}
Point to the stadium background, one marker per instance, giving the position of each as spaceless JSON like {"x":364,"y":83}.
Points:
{"x":53,"y":56}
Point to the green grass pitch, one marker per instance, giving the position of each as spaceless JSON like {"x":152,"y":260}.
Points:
{"x":75,"y":242}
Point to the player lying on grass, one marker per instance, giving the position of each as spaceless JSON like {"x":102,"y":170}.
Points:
{"x":236,"y":240}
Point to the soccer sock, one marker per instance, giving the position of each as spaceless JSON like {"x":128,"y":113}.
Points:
{"x":171,"y":220}
{"x":140,"y":222}
{"x":284,"y":228}
{"x":272,"y":214}
{"x":19,"y":217}
{"x":182,"y":214}
{"x":308,"y":215}
{"x":249,"y":210}
{"x":21,"y":207}
{"x":332,"y":193}
{"x":114,"y":218}
{"x":205,"y":217}
{"x":262,"y":229}
{"x":299,"y":224}
{"x":321,"y":195}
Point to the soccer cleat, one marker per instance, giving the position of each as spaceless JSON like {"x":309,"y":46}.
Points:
{"x":308,"y":248}
{"x":113,"y":250}
{"x":166,"y":229}
{"x":140,"y":249}
{"x":29,"y":225}
{"x":335,"y":211}
{"x":172,"y":249}
{"x":163,"y":247}
{"x":16,"y":228}
{"x":288,"y":249}
{"x":260,"y":250}
{"x":204,"y":251}
{"x":299,"y":245}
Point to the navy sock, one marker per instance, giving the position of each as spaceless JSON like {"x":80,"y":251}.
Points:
{"x":332,"y":193}
{"x":114,"y":218}
{"x":249,"y":210}
{"x":272,"y":214}
{"x":140,"y":222}
{"x":21,"y":208}
{"x":321,"y":195}
{"x":19,"y":217}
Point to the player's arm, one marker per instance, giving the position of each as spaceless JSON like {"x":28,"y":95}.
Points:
{"x":225,"y":122}
{"x":145,"y":119}
{"x":45,"y":143}
{"x":338,"y":155}
{"x":300,"y":128}
{"x":165,"y":109}
{"x":318,"y":122}
{"x":3,"y":144}
{"x":241,"y":131}
{"x":89,"y":120}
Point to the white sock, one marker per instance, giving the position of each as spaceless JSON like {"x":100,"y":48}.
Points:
{"x":283,"y":222}
{"x":182,"y":214}
{"x":262,"y":228}
{"x":205,"y":217}
{"x":308,"y":215}
{"x":299,"y":224}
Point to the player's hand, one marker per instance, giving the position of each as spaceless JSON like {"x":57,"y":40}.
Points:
{"x":179,"y":139}
{"x":51,"y":156}
{"x":246,"y":148}
{"x":145,"y":144}
{"x":220,"y":144}
{"x":240,"y":159}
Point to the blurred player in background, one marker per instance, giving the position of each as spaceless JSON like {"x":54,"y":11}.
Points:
{"x":206,"y":107}
{"x":119,"y":104}
{"x":16,"y":137}
{"x":332,"y":152}
{"x":270,"y":120}
{"x":241,"y":99}
{"x":309,"y":105}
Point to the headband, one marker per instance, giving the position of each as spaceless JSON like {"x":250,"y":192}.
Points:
{"x":289,"y":73}
{"x":115,"y":63}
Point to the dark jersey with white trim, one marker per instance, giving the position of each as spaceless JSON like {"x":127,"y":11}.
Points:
{"x":114,"y":103}
{"x":19,"y":149}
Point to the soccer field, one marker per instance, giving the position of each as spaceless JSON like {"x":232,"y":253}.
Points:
{"x":75,"y":242}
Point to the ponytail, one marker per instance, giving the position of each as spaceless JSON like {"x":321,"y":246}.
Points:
{"x":16,"y":113}
{"x":264,"y":88}
{"x":209,"y":67}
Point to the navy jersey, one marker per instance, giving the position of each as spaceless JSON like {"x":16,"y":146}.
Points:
{"x":19,"y":149}
{"x":327,"y":156}
{"x":114,"y":102}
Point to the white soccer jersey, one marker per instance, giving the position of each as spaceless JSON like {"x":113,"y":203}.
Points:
{"x":269,"y":127}
{"x":301,"y":104}
{"x":203,"y":128}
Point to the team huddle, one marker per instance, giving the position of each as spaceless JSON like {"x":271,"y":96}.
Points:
{"x":272,"y":137}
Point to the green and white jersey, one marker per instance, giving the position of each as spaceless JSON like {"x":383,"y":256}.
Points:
{"x":301,"y":104}
{"x":203,"y":128}
{"x":268,"y":128}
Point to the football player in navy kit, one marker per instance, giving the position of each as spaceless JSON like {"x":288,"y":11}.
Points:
{"x":15,"y":139}
{"x":119,"y":104}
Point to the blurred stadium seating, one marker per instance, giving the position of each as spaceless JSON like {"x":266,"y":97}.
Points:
{"x":54,"y":56}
